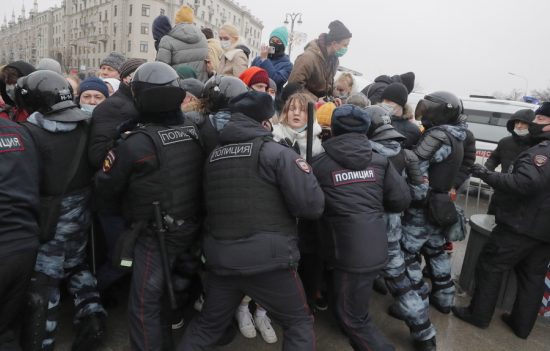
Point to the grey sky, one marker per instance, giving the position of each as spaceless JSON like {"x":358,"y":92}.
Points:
{"x":464,"y":46}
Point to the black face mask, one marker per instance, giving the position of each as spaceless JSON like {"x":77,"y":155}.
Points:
{"x":279,"y":49}
{"x":537,"y":129}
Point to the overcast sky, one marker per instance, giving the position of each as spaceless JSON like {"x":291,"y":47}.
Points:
{"x":464,"y":46}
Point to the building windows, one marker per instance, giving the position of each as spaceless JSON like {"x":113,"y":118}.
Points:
{"x":145,"y":28}
{"x":145,"y":10}
{"x":114,"y":45}
{"x":131,"y":8}
{"x":129,"y":45}
{"x":143,"y":46}
{"x":130,"y":28}
{"x":114,"y":28}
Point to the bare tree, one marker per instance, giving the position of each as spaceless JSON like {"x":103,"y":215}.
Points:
{"x":542,"y":94}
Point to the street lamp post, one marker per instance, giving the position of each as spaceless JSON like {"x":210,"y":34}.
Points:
{"x":524,"y":78}
{"x":293,"y":16}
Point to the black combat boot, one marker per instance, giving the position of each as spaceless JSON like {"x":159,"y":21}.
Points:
{"x":89,"y":332}
{"x":467,"y":316}
{"x":425,"y":345}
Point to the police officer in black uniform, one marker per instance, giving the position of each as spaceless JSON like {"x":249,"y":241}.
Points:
{"x":521,"y":240}
{"x":255,"y":189}
{"x":359,"y":187}
{"x":19,"y":196}
{"x":160,"y":161}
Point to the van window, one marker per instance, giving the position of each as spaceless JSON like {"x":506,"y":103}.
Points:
{"x":487,"y":117}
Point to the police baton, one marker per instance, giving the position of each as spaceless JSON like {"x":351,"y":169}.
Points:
{"x":164,"y":255}
{"x":309,"y":132}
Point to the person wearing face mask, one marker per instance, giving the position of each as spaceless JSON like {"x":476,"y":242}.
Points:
{"x":92,"y":91}
{"x":510,"y":147}
{"x":520,"y":240}
{"x":273,"y":59}
{"x":234,"y":60}
{"x":394,"y":99}
{"x":60,"y":131}
{"x":8,"y":77}
{"x":316,"y":67}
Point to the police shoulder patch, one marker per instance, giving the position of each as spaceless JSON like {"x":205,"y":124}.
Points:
{"x":11,"y":143}
{"x":540,"y":160}
{"x":109,"y":161}
{"x":303,"y":165}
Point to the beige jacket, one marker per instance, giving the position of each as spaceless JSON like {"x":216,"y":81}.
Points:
{"x":233,"y":63}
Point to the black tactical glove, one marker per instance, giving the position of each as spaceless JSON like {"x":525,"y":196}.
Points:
{"x":479,"y":171}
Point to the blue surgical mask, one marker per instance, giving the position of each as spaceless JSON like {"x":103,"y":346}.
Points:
{"x":87,"y":108}
{"x":341,"y":52}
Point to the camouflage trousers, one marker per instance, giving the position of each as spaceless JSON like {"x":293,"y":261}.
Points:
{"x":411,"y":306}
{"x":421,"y":236}
{"x":64,"y":257}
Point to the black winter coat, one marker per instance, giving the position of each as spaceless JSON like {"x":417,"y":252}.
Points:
{"x":106,"y":121}
{"x":468,"y":160}
{"x":359,"y":187}
{"x":408,"y":129}
{"x":508,"y":149}
{"x":522,"y":197}
{"x":19,"y":190}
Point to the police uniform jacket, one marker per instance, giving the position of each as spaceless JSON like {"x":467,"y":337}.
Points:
{"x":359,"y":187}
{"x":255,"y":189}
{"x":19,"y":190}
{"x":155,"y":162}
{"x":522,"y":196}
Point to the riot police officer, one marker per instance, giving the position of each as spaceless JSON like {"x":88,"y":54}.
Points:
{"x":160,"y":161}
{"x":521,"y":240}
{"x":59,"y":129}
{"x":359,"y":187}
{"x":440,"y":151}
{"x":255,"y":188}
{"x":408,"y":306}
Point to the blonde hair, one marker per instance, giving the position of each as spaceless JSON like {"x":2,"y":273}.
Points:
{"x":346,"y":76}
{"x":231,"y":30}
{"x":301,"y":98}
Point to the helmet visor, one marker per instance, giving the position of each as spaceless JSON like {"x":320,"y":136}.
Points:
{"x":426,"y":109}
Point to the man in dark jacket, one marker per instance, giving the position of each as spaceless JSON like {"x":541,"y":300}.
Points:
{"x":161,"y":161}
{"x":521,"y":240}
{"x":359,"y":187}
{"x":255,"y":189}
{"x":19,"y":210}
{"x":108,"y":118}
{"x":8,"y":77}
{"x":59,"y":129}
{"x":510,"y":147}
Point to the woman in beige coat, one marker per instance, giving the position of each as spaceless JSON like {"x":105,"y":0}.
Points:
{"x":234,"y":61}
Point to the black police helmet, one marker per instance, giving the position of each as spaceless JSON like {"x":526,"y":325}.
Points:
{"x":381,"y":127}
{"x":439,"y":108}
{"x":219,"y":89}
{"x":48,"y":93}
{"x":155,"y":87}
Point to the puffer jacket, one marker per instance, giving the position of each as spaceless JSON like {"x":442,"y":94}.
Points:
{"x":315,"y":70}
{"x":278,"y":68}
{"x":233,"y":63}
{"x":185,"y":45}
{"x":359,"y":187}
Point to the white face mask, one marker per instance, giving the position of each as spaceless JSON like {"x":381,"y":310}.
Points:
{"x":10,"y":91}
{"x":87,"y":108}
{"x":225,"y":44}
{"x":521,"y":132}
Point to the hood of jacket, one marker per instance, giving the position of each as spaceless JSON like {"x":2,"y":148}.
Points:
{"x":383,"y":79}
{"x":387,"y":148}
{"x":350,"y":150}
{"x":457,"y":130}
{"x":187,"y":33}
{"x":241,"y":128}
{"x":523,"y":116}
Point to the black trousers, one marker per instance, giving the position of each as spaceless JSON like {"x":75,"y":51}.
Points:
{"x":279,"y":292}
{"x":504,"y":251}
{"x":350,"y":295}
{"x":15,"y":276}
